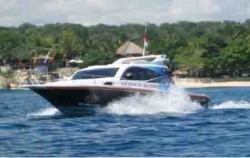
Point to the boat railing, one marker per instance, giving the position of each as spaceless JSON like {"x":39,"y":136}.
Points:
{"x":90,"y":76}
{"x":112,"y":80}
{"x":161,"y":80}
{"x":93,"y":77}
{"x":154,"y":79}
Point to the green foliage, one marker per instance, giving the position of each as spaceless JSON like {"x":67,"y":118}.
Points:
{"x":190,"y":57}
{"x":235,"y":59}
{"x":7,"y":74}
{"x":203,"y":49}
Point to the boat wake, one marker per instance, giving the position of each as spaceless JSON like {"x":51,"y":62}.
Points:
{"x":175,"y":102}
{"x":51,"y":111}
{"x":232,"y":105}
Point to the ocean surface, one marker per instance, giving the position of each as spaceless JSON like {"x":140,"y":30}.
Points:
{"x":169,"y":125}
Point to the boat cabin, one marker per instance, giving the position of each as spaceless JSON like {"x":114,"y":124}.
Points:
{"x":150,"y":69}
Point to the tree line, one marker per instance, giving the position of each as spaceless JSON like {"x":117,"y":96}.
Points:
{"x":204,"y":49}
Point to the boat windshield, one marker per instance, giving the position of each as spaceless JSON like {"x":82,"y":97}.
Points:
{"x":95,"y":73}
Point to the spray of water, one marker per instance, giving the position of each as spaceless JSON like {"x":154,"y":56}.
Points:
{"x":174,"y":102}
{"x":45,"y":112}
{"x":233,"y":105}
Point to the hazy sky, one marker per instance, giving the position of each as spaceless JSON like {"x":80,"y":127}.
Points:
{"x":115,"y":12}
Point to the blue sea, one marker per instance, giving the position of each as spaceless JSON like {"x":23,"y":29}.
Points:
{"x":136,"y":126}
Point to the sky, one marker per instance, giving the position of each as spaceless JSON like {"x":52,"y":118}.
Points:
{"x":117,"y":12}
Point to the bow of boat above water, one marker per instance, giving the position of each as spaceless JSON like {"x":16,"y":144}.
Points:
{"x":97,"y":86}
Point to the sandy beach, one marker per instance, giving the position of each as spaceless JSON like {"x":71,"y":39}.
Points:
{"x":203,"y":83}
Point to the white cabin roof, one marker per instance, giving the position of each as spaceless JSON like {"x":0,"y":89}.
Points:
{"x":149,"y":59}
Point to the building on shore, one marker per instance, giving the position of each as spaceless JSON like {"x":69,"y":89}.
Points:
{"x":129,"y":49}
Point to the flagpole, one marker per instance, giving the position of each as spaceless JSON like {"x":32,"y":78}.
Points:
{"x":46,"y":64}
{"x":145,"y":41}
{"x":143,"y":52}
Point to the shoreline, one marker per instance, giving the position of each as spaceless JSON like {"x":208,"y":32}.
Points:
{"x":192,"y":83}
{"x":206,"y":83}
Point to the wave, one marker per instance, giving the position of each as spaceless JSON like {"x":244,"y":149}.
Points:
{"x":45,"y":112}
{"x":175,"y":102}
{"x":232,"y":105}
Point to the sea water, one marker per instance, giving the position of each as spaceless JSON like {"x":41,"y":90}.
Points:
{"x":156,"y":125}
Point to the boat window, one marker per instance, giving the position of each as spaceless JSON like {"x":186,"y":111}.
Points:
{"x":138,"y":73}
{"x":96,"y":73}
{"x":146,"y":74}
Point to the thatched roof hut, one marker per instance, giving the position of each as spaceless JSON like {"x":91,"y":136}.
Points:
{"x":129,"y":49}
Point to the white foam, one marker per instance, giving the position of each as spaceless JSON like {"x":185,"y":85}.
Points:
{"x":233,"y":105}
{"x":175,"y":102}
{"x":45,"y":112}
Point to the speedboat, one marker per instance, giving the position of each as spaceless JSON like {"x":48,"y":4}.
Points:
{"x":97,"y":86}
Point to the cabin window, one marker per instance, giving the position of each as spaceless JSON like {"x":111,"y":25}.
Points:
{"x":138,"y":73}
{"x":146,"y":74}
{"x":95,"y":73}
